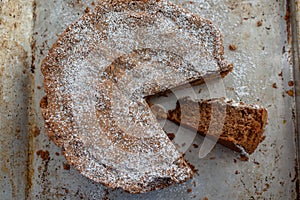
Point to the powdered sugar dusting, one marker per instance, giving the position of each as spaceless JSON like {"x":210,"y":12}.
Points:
{"x":97,"y":74}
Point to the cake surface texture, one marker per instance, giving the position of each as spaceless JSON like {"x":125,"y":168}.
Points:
{"x":241,"y":125}
{"x":97,"y":75}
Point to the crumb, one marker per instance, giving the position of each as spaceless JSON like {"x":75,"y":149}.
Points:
{"x":237,"y":172}
{"x":171,"y":136}
{"x":232,"y":47}
{"x":234,"y":160}
{"x":284,"y":121}
{"x":255,"y":162}
{"x":274,"y":86}
{"x":212,"y":158}
{"x":56,"y":153}
{"x":189,"y":190}
{"x":280,"y":74}
{"x":87,"y":10}
{"x":43,"y":154}
{"x":39,"y":87}
{"x":259,"y":23}
{"x":290,"y":93}
{"x":244,"y":158}
{"x":93,"y":3}
{"x":291,"y":83}
{"x":195,"y":184}
{"x":195,"y":146}
{"x":193,"y":168}
{"x":205,"y":198}
{"x":66,"y":166}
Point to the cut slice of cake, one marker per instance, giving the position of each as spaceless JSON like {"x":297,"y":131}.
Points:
{"x":242,"y":125}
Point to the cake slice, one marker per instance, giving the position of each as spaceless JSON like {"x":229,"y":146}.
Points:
{"x":236,"y":125}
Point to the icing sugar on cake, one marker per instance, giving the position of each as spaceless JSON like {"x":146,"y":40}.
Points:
{"x":96,"y":77}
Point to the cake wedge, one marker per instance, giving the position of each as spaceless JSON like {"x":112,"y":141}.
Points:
{"x":242,"y":125}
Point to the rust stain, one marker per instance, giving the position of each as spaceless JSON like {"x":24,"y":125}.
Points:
{"x":291,"y":83}
{"x":36,"y":131}
{"x":297,"y":180}
{"x":290,"y":92}
{"x":33,"y":131}
{"x":33,"y":43}
{"x":33,"y":46}
{"x":43,"y":154}
{"x":259,"y":23}
{"x":30,"y":169}
{"x":287,"y":18}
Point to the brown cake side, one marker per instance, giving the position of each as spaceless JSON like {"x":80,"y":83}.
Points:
{"x":241,"y":130}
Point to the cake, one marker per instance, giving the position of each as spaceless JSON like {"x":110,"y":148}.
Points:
{"x":235,"y":124}
{"x":96,"y":78}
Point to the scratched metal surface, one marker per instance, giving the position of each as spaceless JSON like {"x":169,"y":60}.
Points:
{"x":15,"y":59}
{"x":32,"y":167}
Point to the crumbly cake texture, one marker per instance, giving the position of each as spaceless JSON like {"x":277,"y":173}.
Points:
{"x":96,"y":77}
{"x":241,"y":130}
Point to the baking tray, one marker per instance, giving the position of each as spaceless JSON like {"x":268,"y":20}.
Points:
{"x":265,"y":73}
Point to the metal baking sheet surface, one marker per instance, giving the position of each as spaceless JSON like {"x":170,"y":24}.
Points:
{"x":32,"y":167}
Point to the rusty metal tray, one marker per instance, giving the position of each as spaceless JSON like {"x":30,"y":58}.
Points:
{"x":266,"y":72}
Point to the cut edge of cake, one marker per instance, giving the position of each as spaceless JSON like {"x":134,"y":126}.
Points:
{"x":243,"y":125}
